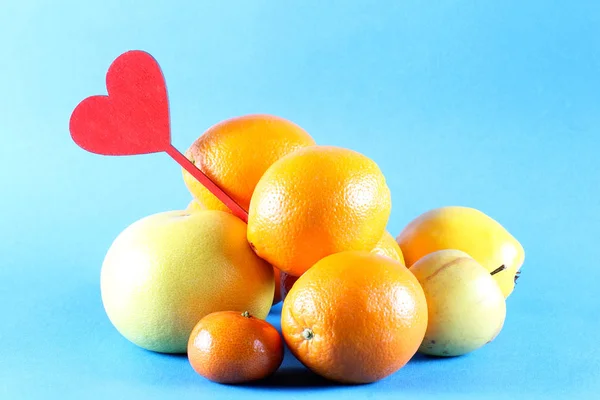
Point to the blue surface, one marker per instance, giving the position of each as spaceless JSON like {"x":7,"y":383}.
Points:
{"x":494,"y":105}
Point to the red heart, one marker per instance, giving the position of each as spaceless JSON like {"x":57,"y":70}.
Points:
{"x":133,"y":118}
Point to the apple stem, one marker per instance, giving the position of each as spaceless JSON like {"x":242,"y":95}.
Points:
{"x":219,"y":193}
{"x":499,"y":269}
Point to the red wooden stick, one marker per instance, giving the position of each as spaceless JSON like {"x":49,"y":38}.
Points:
{"x":235,"y":208}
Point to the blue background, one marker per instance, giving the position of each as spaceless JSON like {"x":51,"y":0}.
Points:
{"x":489,"y":104}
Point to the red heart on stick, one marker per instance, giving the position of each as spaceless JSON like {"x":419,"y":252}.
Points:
{"x":133,"y":118}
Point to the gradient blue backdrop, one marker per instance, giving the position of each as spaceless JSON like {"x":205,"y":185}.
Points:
{"x":490,"y":104}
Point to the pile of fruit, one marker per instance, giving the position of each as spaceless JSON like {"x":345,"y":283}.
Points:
{"x":357,"y":303}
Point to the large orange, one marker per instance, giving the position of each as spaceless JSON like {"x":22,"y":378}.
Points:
{"x":234,"y":347}
{"x":317,"y":201}
{"x":355,"y":317}
{"x":235,"y":153}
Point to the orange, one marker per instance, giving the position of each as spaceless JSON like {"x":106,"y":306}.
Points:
{"x":194,"y":206}
{"x":317,"y":201}
{"x":387,"y":246}
{"x":235,"y":153}
{"x":277,"y":296}
{"x":355,"y":317}
{"x":234,"y":347}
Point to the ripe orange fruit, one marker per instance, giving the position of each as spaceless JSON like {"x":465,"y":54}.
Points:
{"x":355,"y":317}
{"x":235,"y":153}
{"x":277,"y":296}
{"x":317,"y":201}
{"x":194,"y":206}
{"x":387,"y":246}
{"x":234,"y":347}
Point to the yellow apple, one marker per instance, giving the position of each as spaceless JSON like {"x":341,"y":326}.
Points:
{"x":466,"y":308}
